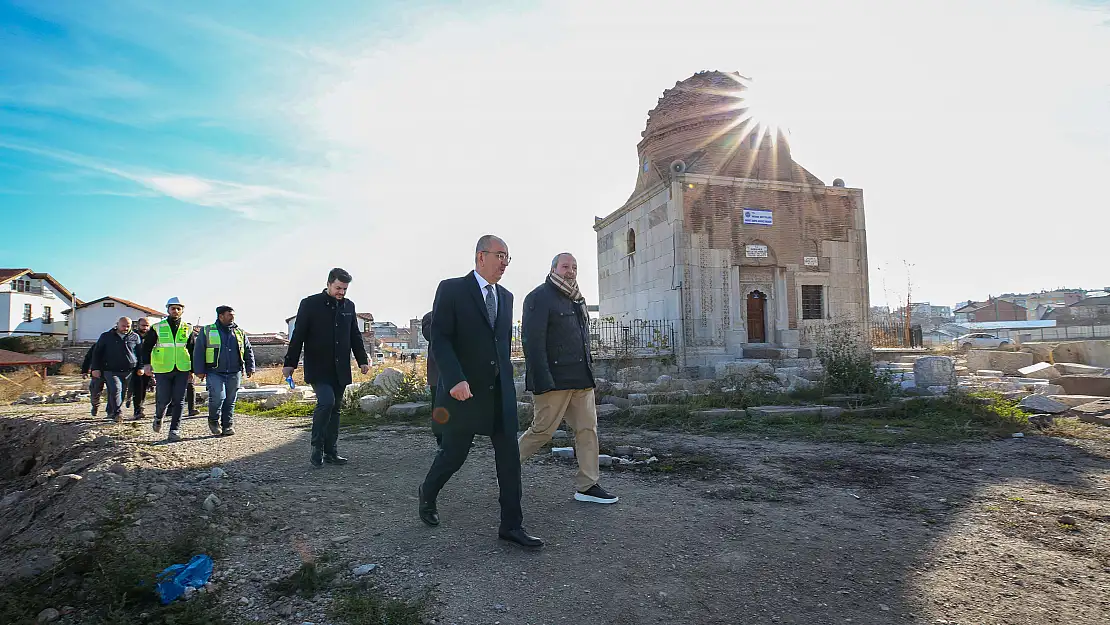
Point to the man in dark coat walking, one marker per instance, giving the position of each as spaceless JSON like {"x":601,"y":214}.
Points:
{"x":327,"y":329}
{"x":115,"y":357}
{"x":471,"y":331}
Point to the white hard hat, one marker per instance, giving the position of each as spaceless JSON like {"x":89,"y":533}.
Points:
{"x":174,"y":302}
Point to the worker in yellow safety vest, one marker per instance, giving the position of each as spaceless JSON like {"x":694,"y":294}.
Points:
{"x":222,"y":352}
{"x":167,"y":354}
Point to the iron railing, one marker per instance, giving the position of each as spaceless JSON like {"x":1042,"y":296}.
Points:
{"x":610,"y":338}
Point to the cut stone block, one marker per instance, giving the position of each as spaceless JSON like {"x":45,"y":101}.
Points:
{"x":638,"y":399}
{"x":605,"y":411}
{"x":671,"y":397}
{"x":828,"y":412}
{"x":1071,"y":368}
{"x":1096,"y":412}
{"x":619,"y":402}
{"x":1085,"y":384}
{"x":742,"y":368}
{"x":1039,"y":370}
{"x":1041,"y":403}
{"x":1075,"y":400}
{"x":719,"y":413}
{"x":934,"y":371}
{"x":989,"y":373}
{"x":652,"y":409}
{"x":411,"y":409}
{"x":372,"y":404}
{"x":1046,"y":389}
{"x":1008,"y":362}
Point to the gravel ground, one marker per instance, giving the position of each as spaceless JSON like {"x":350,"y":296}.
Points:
{"x":721,"y":530}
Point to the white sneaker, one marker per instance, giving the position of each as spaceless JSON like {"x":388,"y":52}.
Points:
{"x":596,"y":494}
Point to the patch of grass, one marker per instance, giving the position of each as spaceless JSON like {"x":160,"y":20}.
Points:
{"x":112,"y":582}
{"x":289,"y":410}
{"x":362,"y":605}
{"x":925,"y":420}
{"x":20,"y":381}
{"x":312,"y":577}
{"x":1016,"y":499}
{"x":1074,"y":428}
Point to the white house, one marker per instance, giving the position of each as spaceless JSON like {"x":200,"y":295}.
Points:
{"x":32,"y":304}
{"x":96,"y":317}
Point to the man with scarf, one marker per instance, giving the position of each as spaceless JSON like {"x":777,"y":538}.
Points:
{"x":559,"y":372}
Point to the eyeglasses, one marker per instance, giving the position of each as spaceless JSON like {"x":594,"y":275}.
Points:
{"x":501,"y":256}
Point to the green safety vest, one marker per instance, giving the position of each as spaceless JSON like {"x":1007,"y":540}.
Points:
{"x":212,"y":352}
{"x":169,"y":352}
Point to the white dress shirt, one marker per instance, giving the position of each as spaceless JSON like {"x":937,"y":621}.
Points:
{"x":482,"y":284}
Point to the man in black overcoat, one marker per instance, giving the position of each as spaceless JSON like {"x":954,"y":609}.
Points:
{"x":471,"y":331}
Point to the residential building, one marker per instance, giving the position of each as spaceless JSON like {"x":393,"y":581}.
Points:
{"x":92,"y":319}
{"x":726,"y":235}
{"x":395,"y":343}
{"x":416,"y":337}
{"x":1088,"y":311}
{"x":1059,"y":298}
{"x":994,"y":309}
{"x":32,"y":304}
{"x":384,"y":329}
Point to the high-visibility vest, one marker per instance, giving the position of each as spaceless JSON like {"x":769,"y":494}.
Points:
{"x":212,"y":352}
{"x":170,"y":352}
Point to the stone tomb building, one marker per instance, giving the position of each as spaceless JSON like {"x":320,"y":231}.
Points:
{"x":727,"y":237}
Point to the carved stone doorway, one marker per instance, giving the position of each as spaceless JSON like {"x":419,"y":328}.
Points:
{"x":757,"y":317}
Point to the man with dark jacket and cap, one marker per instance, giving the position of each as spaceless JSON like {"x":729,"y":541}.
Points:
{"x":221,"y":353}
{"x":327,"y":330}
{"x":115,"y":357}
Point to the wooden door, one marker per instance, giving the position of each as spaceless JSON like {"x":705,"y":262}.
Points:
{"x":757,"y":305}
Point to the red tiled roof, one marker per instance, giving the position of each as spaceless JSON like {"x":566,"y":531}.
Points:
{"x":12,"y":359}
{"x":12,"y":274}
{"x":149,"y":311}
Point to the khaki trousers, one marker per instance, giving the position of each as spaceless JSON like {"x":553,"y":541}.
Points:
{"x":578,"y":409}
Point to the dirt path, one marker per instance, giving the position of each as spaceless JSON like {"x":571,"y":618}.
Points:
{"x":723,"y":531}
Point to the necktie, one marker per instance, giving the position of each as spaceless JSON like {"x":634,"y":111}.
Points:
{"x":491,"y":305}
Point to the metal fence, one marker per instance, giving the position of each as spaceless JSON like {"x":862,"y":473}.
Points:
{"x":616,"y":338}
{"x":636,"y":337}
{"x":893,"y":333}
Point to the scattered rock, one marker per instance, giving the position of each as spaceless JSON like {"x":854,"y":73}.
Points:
{"x":604,"y":411}
{"x":1096,"y":412}
{"x":86,"y":536}
{"x":1067,"y":519}
{"x":363,"y":569}
{"x":49,"y":615}
{"x":339,"y":540}
{"x":389,"y":380}
{"x":412,"y":409}
{"x":218,"y":473}
{"x":373,"y":404}
{"x":560,"y":435}
{"x":1017,"y":435}
{"x":604,"y":460}
{"x":562,"y":452}
{"x":211,"y":502}
{"x":930,"y":371}
{"x":119,"y":469}
{"x":1042,"y":403}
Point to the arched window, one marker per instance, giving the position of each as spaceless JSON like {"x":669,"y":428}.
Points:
{"x":631,"y":241}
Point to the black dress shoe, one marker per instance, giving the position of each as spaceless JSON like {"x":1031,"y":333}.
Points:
{"x":428,"y":513}
{"x":334,"y":459}
{"x":520,"y":537}
{"x":317,"y":458}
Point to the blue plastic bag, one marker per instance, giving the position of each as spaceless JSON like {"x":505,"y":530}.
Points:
{"x":173,"y":581}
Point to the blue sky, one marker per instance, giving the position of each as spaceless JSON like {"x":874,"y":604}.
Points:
{"x":233,"y":152}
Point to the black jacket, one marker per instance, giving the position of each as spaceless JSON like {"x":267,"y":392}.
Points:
{"x":86,"y":364}
{"x":467,"y":348}
{"x":327,"y":330}
{"x":426,"y":331}
{"x":113,"y":352}
{"x":556,"y":338}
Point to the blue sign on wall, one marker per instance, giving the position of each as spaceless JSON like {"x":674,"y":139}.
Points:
{"x":760,"y":217}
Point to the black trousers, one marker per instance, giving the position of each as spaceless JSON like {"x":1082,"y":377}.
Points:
{"x":136,"y":392}
{"x":170,"y":395}
{"x":436,"y":428}
{"x":325,"y":418}
{"x":191,"y":397}
{"x":453,"y":450}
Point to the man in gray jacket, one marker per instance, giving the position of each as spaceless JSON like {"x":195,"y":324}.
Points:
{"x":221,"y":354}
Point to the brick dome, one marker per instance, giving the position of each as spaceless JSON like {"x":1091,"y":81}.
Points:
{"x":703,"y":121}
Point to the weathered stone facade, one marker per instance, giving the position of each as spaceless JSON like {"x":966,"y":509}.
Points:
{"x":687,"y":248}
